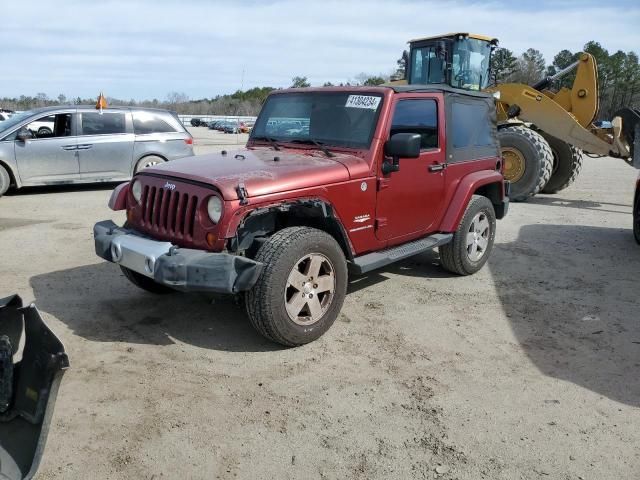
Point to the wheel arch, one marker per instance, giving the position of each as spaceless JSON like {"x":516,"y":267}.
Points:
{"x":134,"y":164}
{"x":14,"y":180}
{"x":261,"y":223}
{"x":486,"y":183}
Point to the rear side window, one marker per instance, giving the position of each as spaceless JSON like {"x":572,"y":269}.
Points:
{"x":103,"y":123}
{"x":417,"y":116}
{"x":470,"y":125}
{"x":145,"y":123}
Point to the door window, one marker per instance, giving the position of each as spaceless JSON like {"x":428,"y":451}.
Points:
{"x":146,"y":123}
{"x":106,"y":123}
{"x":417,"y":116}
{"x":51,"y":126}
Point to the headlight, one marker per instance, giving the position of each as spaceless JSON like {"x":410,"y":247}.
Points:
{"x":136,"y":190}
{"x":214,"y":208}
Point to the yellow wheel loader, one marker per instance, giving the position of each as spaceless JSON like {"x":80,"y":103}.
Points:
{"x":542,"y":133}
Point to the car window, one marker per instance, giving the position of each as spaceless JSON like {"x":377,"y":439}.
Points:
{"x":417,"y":116}
{"x":51,"y":126}
{"x":103,"y":123}
{"x":145,"y":123}
{"x":471,"y":128}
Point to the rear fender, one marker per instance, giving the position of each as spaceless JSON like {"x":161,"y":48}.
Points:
{"x":467,"y":187}
{"x":118,"y":200}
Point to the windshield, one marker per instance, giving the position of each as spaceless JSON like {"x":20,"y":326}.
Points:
{"x":13,"y":120}
{"x":342,"y":119}
{"x":471,"y":64}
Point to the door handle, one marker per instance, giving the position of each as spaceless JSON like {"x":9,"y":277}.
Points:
{"x":437,"y":167}
{"x":86,"y":146}
{"x":69,"y":147}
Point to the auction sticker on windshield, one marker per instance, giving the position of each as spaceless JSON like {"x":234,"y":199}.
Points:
{"x":363,"y":101}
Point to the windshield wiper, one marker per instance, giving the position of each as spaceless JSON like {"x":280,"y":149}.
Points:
{"x":318,"y":144}
{"x":271,"y":140}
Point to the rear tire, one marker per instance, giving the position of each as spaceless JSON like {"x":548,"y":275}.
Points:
{"x":5,"y":180}
{"x":148,"y":161}
{"x":302,"y":287}
{"x":473,"y":240}
{"x":145,"y":283}
{"x":528,"y":161}
{"x":567,"y":163}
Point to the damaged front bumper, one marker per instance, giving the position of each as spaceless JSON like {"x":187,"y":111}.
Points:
{"x":28,"y":386}
{"x":183,"y":269}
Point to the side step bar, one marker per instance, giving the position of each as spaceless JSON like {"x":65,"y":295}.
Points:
{"x":371,"y":261}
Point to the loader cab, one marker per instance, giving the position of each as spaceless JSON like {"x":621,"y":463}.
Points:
{"x":460,"y":60}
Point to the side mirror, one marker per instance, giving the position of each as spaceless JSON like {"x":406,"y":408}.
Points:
{"x":400,"y":145}
{"x":23,"y":135}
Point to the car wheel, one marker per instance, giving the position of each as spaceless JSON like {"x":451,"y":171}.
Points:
{"x":473,"y":240}
{"x":148,"y":161}
{"x":5,"y":180}
{"x":302,"y":287}
{"x":145,"y":283}
{"x":44,"y":132}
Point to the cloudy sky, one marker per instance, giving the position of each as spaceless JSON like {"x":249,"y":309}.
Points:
{"x":148,"y":48}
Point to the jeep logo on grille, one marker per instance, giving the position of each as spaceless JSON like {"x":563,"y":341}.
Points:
{"x":169,"y":186}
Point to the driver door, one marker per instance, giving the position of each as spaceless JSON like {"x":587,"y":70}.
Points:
{"x":50,"y":156}
{"x":410,"y":201}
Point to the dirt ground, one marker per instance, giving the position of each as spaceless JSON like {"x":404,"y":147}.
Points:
{"x":526,"y":370}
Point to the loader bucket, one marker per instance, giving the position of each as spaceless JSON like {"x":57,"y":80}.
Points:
{"x":631,"y":132}
{"x":29,"y":381}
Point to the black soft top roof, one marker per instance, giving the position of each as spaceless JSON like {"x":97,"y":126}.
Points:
{"x":440,"y":87}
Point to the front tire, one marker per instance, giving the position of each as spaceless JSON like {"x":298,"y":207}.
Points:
{"x":473,"y":240}
{"x":145,"y":283}
{"x":528,"y":161}
{"x":5,"y":180}
{"x":567,"y":163}
{"x":302,"y":287}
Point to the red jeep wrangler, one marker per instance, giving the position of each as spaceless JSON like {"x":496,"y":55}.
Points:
{"x":331,"y":180}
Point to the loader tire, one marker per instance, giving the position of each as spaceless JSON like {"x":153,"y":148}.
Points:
{"x":567,"y":163}
{"x":528,"y":161}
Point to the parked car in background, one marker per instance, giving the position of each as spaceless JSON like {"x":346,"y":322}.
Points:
{"x":195,"y":122}
{"x":78,"y":144}
{"x":43,"y":127}
{"x":5,"y":114}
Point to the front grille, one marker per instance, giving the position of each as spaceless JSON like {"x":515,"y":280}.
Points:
{"x":169,"y":212}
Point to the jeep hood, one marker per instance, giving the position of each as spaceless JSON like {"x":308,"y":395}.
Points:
{"x":264,"y":171}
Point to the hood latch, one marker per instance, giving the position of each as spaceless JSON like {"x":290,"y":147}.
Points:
{"x":242,"y":193}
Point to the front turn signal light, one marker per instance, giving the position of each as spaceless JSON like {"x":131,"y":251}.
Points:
{"x":211,"y":239}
